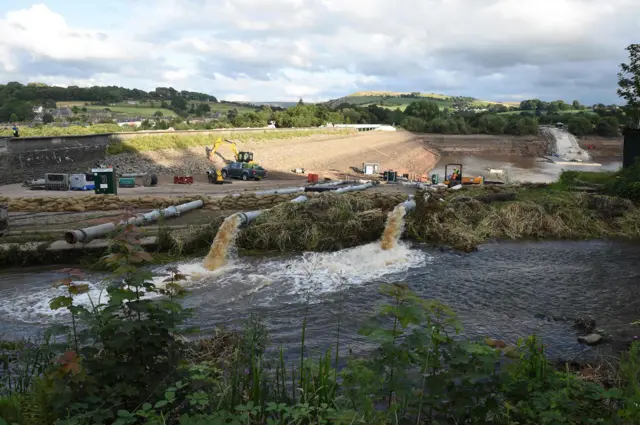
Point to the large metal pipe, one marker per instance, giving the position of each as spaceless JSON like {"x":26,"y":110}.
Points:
{"x":409,"y":205}
{"x":280,"y":191}
{"x":89,"y":233}
{"x":354,"y":188}
{"x":248,"y":217}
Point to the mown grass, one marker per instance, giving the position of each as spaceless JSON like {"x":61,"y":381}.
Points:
{"x":51,"y":130}
{"x":144,"y":143}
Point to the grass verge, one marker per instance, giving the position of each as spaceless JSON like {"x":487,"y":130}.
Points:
{"x":182,"y":141}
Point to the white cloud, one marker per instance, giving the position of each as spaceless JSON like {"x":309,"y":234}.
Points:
{"x":318,"y":49}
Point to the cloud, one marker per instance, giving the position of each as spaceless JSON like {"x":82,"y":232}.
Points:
{"x":319,"y":49}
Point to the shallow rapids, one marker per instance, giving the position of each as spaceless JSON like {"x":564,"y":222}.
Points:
{"x":505,"y":290}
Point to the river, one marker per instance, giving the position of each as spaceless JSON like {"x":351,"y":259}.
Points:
{"x":505,"y":290}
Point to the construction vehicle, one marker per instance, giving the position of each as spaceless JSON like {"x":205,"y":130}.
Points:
{"x":216,"y":177}
{"x":244,"y":157}
{"x":453,"y":176}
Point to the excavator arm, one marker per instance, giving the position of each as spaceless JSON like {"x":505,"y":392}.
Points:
{"x":218,"y":144}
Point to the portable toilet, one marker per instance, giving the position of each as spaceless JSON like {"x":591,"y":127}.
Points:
{"x":105,"y":181}
{"x":434,"y":178}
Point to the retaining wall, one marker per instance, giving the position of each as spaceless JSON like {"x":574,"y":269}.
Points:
{"x":28,"y":158}
{"x":487,"y":144}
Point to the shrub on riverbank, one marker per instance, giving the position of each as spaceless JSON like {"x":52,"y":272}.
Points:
{"x":122,"y":362}
{"x":183,"y":141}
{"x":624,"y":183}
{"x":466,"y":219}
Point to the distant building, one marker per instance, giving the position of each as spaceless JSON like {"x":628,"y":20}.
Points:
{"x":133,"y":124}
{"x":61,"y":113}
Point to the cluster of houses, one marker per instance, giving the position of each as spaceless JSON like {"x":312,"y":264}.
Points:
{"x":94,"y":116}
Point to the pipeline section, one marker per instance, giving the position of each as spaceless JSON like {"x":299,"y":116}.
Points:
{"x":89,"y":233}
{"x":248,"y":217}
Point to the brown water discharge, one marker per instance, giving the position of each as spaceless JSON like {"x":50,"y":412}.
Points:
{"x":394,"y":228}
{"x":224,"y":240}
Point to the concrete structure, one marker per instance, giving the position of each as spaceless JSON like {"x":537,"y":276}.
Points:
{"x":28,"y":158}
{"x":366,"y":127}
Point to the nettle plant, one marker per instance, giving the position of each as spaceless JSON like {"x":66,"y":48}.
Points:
{"x":121,"y":347}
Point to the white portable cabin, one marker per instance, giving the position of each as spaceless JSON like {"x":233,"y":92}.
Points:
{"x":370,"y":168}
{"x":81,"y":182}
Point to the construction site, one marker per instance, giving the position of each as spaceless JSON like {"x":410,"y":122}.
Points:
{"x":278,"y":224}
{"x":396,"y":163}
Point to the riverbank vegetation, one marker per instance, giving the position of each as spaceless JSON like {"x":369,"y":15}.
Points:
{"x":466,"y":218}
{"x":125,"y":359}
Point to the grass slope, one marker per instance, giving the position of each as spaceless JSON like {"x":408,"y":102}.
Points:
{"x":393,"y":100}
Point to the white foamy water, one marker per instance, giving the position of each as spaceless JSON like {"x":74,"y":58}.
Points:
{"x":318,"y":273}
{"x":304,"y":277}
{"x":31,"y":305}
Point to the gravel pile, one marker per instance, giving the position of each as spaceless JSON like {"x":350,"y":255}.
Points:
{"x":165,"y":162}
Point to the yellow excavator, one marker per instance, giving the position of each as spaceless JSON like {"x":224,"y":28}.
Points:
{"x":245,"y":157}
{"x":455,"y":177}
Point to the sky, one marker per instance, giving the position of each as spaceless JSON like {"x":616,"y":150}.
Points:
{"x":284,"y":50}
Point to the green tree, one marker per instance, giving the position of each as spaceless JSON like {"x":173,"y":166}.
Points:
{"x":158,"y":114}
{"x":580,"y":126}
{"x":13,"y":117}
{"x":178,"y":103}
{"x":47,"y":118}
{"x":629,"y":84}
{"x":492,"y":124}
{"x":423,"y":109}
{"x":49,"y":104}
{"x":202,"y":109}
{"x":607,"y":127}
{"x":576,"y":105}
{"x":75,"y":109}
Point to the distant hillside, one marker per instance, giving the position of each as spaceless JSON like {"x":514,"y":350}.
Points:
{"x":393,"y":100}
{"x":276,"y":104}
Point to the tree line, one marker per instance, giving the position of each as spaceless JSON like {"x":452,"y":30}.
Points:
{"x":18,"y":100}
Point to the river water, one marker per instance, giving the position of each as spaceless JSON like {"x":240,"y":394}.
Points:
{"x":505,"y":290}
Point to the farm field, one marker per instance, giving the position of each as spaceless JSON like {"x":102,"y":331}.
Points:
{"x":393,"y":100}
{"x":143,"y":109}
{"x":570,"y":111}
{"x":147,"y":109}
